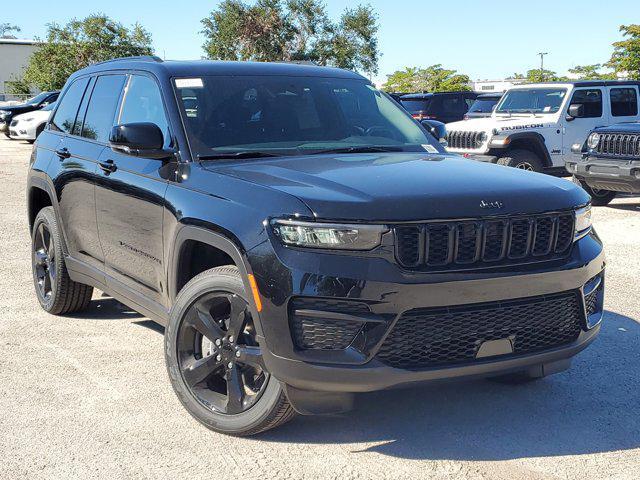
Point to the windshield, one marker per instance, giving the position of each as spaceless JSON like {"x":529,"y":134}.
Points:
{"x":532,"y":100}
{"x":483,"y":105}
{"x":416,"y":105}
{"x":37,"y":99}
{"x":49,"y":107}
{"x":275,"y":115}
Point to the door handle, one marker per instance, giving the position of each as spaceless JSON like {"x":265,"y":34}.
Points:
{"x":107,"y":167}
{"x":63,"y":153}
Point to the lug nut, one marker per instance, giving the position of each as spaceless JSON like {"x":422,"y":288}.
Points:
{"x":219,"y":357}
{"x":230,"y":364}
{"x":237,"y":353}
{"x":218,"y":342}
{"x":230,"y":338}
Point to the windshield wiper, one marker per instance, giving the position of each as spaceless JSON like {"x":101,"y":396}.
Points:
{"x":359,"y":149}
{"x":241,"y":154}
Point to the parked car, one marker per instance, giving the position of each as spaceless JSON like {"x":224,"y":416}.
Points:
{"x":442,"y":106}
{"x":483,"y":105}
{"x":535,"y":125}
{"x":36,"y":103}
{"x":609,"y":163}
{"x":27,"y":126}
{"x":302,"y":238}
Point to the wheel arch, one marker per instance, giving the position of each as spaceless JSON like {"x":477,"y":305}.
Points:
{"x":39,"y":195}
{"x":531,"y":141}
{"x":220,"y":249}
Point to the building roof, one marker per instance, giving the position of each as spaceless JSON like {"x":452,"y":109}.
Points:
{"x":18,"y":41}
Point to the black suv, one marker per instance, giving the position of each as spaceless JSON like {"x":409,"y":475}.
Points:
{"x":36,"y":103}
{"x":610,"y":162}
{"x":302,"y":238}
{"x":445,"y":107}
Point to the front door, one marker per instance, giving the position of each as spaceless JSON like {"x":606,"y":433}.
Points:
{"x":576,"y":130}
{"x":130,"y":202}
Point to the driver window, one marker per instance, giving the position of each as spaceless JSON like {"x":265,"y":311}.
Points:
{"x":143,"y":103}
{"x":592,"y":101}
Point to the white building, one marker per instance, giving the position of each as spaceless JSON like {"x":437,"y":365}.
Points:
{"x":498,"y":86}
{"x":14,"y":58}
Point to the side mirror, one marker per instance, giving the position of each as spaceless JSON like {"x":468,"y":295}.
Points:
{"x":437,"y":129}
{"x":141,"y":139}
{"x":576,"y":110}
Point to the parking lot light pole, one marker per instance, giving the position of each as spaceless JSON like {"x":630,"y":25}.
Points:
{"x":542,"y":54}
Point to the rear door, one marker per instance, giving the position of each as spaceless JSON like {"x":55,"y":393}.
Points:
{"x":448,"y":107}
{"x":623,"y":103}
{"x":73,"y":170}
{"x":130,"y":201}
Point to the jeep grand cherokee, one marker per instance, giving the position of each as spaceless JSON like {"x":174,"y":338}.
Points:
{"x":302,"y":238}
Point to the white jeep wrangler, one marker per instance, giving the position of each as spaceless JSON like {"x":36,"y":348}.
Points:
{"x":534,"y":126}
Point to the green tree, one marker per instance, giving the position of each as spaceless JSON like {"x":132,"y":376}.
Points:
{"x":591,"y":72}
{"x":273,"y":30}
{"x":431,"y":79}
{"x":7,"y":28}
{"x":626,"y":53}
{"x":80,"y":43}
{"x":536,"y":75}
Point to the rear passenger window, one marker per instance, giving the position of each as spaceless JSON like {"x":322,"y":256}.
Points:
{"x":66,"y":113}
{"x":624,"y":102}
{"x":102,"y":107}
{"x":143,"y":103}
{"x":591,"y":100}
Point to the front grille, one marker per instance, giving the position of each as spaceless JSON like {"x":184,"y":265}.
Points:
{"x":465,"y":140}
{"x":432,"y":337}
{"x":313,"y":333}
{"x":483,"y":242}
{"x":619,"y":144}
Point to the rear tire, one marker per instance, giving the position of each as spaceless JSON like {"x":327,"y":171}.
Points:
{"x":56,"y":292}
{"x":599,"y":198}
{"x":214,"y":361}
{"x":522,"y":159}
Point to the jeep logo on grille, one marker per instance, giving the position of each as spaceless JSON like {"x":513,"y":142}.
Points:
{"x":494,"y":204}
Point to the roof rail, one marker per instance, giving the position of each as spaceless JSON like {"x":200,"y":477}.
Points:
{"x":145,"y":58}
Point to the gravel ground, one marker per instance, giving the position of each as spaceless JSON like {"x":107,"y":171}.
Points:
{"x":88,"y":396}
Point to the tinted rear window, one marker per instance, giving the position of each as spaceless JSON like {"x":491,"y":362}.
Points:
{"x":483,"y":106}
{"x":68,"y":109}
{"x":416,"y":105}
{"x":102,"y":107}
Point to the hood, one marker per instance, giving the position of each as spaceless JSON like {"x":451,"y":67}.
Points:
{"x":396,"y":187}
{"x":631,"y":127}
{"x":506,"y":123}
{"x":36,"y":114}
{"x":15,"y":109}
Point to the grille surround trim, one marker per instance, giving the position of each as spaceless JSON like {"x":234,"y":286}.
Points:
{"x":507,"y":240}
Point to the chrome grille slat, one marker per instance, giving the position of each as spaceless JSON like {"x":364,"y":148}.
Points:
{"x":619,"y":145}
{"x":468,"y":140}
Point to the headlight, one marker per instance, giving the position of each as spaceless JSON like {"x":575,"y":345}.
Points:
{"x":328,"y":235}
{"x":482,"y":137}
{"x":4,"y":113}
{"x":593,"y":141}
{"x":583,"y":221}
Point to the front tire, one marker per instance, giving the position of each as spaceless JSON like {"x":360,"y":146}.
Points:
{"x":521,"y":159}
{"x":56,"y":292}
{"x":214,"y":361}
{"x":599,"y":198}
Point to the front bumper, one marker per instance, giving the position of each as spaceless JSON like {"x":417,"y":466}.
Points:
{"x":285,"y":273}
{"x":618,"y":175}
{"x":21,"y":133}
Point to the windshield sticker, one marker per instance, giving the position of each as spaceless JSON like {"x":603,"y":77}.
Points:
{"x":546,"y":109}
{"x":189,"y":83}
{"x":430,"y":148}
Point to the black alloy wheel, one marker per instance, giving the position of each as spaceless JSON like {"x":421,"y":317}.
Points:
{"x":218,"y":355}
{"x":44,"y":259}
{"x":214,"y":361}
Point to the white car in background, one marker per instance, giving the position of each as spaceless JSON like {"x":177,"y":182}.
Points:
{"x":27,"y":126}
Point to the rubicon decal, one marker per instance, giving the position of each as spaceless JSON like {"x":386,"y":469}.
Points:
{"x":522,"y":127}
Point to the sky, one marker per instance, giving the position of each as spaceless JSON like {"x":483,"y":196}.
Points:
{"x":485,"y":40}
